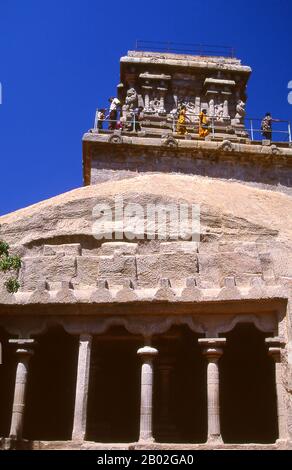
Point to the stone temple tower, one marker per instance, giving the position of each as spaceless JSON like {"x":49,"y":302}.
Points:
{"x":154,"y":309}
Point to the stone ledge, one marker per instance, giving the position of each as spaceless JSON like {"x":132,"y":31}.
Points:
{"x":127,"y":293}
{"x":207,"y":145}
{"x":9,"y":444}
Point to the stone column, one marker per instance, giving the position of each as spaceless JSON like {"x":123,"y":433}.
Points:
{"x":24,"y":352}
{"x":211,"y":108}
{"x":197,"y":107}
{"x":225,"y":109}
{"x":83,"y":372}
{"x":162,"y":92}
{"x":213,"y":351}
{"x":147,"y":354}
{"x":147,"y":91}
{"x":275,"y":346}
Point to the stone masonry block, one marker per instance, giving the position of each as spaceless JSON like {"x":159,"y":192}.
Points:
{"x":116,"y":268}
{"x":59,"y":268}
{"x":87,"y":270}
{"x":213,"y":268}
{"x":122,"y":248}
{"x":31,"y":273}
{"x":148,"y":270}
{"x":72,"y":249}
{"x":178,"y":266}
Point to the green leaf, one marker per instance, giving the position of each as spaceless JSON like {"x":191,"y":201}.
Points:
{"x":4,"y":248}
{"x":12,"y":285}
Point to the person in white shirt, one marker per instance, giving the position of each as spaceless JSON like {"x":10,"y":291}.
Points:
{"x":100,"y":118}
{"x":114,"y":104}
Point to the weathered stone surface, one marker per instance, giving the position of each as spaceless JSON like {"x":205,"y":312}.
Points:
{"x":30,"y":273}
{"x":178,"y":266}
{"x":165,"y":291}
{"x":213,"y":268}
{"x":191,"y":293}
{"x":65,"y":294}
{"x":59,"y":268}
{"x":148,"y":270}
{"x":116,"y":268}
{"x":73,"y":249}
{"x":120,"y":248}
{"x":102,"y":293}
{"x":127,"y":293}
{"x":87,"y":270}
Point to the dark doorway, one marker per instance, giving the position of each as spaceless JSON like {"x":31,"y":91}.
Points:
{"x":114,"y":388}
{"x":51,"y":387}
{"x":180,"y":406}
{"x":247,"y":388}
{"x":7,"y":382}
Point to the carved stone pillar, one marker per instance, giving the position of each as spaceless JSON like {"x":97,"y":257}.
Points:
{"x":275,"y":348}
{"x":82,"y":384}
{"x":213,"y":351}
{"x":197,"y":107}
{"x":24,"y":352}
{"x":211,"y":108}
{"x":162,"y":92}
{"x":225,"y":109}
{"x":147,"y":355}
{"x":147,"y":91}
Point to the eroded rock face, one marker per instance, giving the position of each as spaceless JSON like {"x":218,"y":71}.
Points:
{"x":242,"y":235}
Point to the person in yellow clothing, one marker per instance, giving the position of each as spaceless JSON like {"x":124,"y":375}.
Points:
{"x":204,"y":128}
{"x":181,"y":121}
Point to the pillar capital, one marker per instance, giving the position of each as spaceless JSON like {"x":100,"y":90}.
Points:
{"x":212,"y":347}
{"x":147,"y":352}
{"x":275,"y":346}
{"x":24,"y":347}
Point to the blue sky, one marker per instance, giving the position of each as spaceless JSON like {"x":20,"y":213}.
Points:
{"x":59,"y":60}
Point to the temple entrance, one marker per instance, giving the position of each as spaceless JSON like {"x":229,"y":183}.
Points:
{"x":7,"y":381}
{"x":247,"y":388}
{"x":51,"y":387}
{"x":114,"y":388}
{"x":179,"y":399}
{"x":180,"y":406}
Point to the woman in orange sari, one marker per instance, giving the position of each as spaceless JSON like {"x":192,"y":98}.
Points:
{"x":181,"y":121}
{"x":204,"y":129}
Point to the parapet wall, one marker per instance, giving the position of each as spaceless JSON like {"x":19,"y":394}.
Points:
{"x":114,"y":157}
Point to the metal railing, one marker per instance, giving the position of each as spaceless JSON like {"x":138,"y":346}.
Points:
{"x":254,"y":130}
{"x":185,"y":48}
{"x":283,"y":134}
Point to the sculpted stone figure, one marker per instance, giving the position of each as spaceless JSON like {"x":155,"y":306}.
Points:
{"x":131,"y":99}
{"x":191,"y":111}
{"x":219,"y":112}
{"x":240,"y":113}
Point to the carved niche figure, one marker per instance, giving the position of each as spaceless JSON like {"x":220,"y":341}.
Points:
{"x":191,"y":111}
{"x":240,"y":113}
{"x":154,"y":105}
{"x":219,"y":112}
{"x":131,"y":100}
